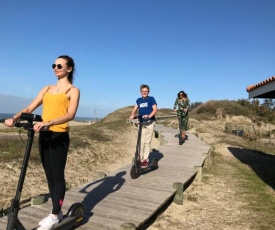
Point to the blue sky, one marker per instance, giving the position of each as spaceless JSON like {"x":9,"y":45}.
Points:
{"x":211,"y":49}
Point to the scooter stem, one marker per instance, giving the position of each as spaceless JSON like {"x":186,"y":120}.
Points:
{"x":13,"y":221}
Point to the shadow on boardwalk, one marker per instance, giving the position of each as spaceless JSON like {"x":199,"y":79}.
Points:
{"x":106,"y":186}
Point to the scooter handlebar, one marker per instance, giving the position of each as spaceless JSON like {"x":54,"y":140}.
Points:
{"x":28,"y":126}
{"x":24,"y":125}
{"x":136,"y":119}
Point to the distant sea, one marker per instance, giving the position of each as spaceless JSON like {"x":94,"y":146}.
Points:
{"x":84,"y":119}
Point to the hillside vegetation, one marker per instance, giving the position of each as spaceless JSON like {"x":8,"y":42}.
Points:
{"x":237,"y":187}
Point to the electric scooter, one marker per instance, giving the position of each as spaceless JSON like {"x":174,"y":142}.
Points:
{"x":76,"y":212}
{"x":181,"y":140}
{"x":136,"y":169}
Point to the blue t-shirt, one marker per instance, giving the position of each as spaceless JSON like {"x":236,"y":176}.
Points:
{"x":145,"y":107}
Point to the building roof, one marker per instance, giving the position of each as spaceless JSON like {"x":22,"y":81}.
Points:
{"x":263,"y":89}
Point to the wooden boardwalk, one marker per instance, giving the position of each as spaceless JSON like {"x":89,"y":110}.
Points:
{"x":118,"y":199}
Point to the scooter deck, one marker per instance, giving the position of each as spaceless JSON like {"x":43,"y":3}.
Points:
{"x":72,"y":219}
{"x":66,"y":223}
{"x":149,"y":167}
{"x":137,"y":171}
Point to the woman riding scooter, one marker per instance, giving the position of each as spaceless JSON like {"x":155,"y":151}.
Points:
{"x":181,"y":106}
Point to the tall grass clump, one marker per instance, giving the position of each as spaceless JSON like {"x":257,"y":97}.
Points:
{"x":228,"y":107}
{"x":13,"y":148}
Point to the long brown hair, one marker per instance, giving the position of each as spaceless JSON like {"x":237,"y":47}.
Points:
{"x":182,"y":92}
{"x":70,"y":63}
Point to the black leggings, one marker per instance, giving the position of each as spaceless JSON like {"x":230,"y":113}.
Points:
{"x":53,"y":147}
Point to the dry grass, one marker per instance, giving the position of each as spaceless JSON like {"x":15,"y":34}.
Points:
{"x":237,"y":189}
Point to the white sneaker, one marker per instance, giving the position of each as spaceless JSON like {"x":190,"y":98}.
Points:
{"x":49,"y":222}
{"x":60,"y":217}
{"x":43,"y":220}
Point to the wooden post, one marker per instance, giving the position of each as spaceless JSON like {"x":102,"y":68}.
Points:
{"x":38,"y":200}
{"x":178,"y":198}
{"x":269,"y":134}
{"x":199,"y":173}
{"x":101,"y":175}
{"x":260,"y":133}
{"x":127,"y":226}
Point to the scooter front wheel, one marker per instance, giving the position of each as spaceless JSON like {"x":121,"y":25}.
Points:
{"x":134,"y":173}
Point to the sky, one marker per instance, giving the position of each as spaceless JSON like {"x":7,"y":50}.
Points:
{"x":211,"y":49}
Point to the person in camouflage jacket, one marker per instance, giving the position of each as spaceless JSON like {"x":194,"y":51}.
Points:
{"x":181,"y":106}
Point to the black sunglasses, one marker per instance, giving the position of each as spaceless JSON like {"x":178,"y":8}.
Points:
{"x":59,"y":66}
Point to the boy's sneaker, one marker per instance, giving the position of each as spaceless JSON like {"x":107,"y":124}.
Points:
{"x":49,"y":222}
{"x":144,"y":164}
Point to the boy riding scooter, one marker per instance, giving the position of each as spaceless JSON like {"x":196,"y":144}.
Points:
{"x":147,"y":108}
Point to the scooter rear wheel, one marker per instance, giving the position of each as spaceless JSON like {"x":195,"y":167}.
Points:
{"x":134,"y":173}
{"x":77,"y":210}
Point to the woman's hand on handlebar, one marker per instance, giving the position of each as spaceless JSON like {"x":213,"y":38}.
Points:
{"x":38,"y":126}
{"x":9,"y":122}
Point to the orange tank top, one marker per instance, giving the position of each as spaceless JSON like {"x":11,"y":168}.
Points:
{"x":54,"y":106}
